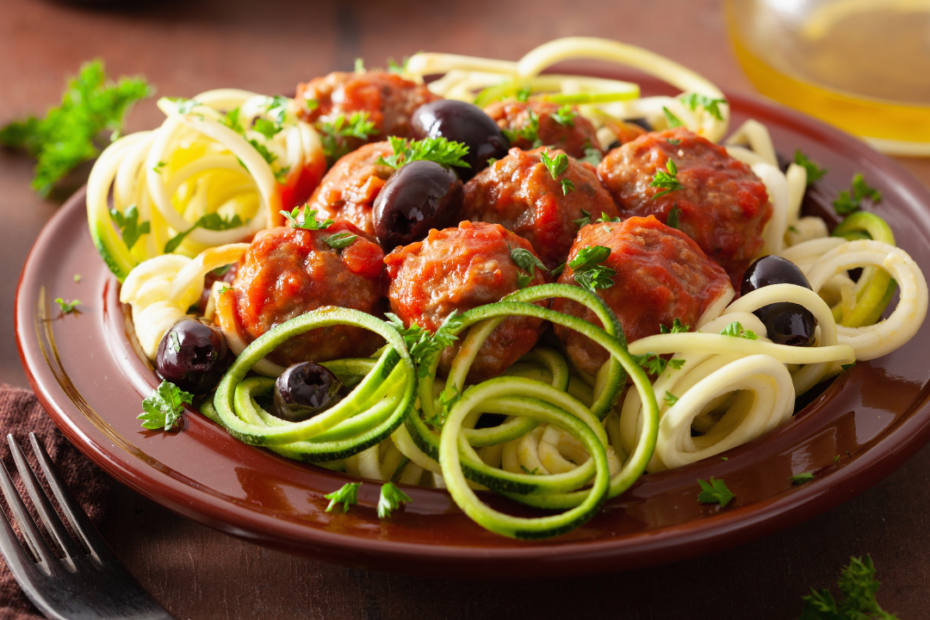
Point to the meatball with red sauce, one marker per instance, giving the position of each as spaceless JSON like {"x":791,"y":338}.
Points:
{"x":457,"y":269}
{"x":662,"y":275}
{"x":554,"y":126}
{"x":387,"y":98}
{"x":289,"y":271}
{"x":519,"y":193}
{"x":722,"y":205}
{"x":349,"y":189}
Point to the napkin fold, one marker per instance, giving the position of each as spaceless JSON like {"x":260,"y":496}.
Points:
{"x":21,"y":414}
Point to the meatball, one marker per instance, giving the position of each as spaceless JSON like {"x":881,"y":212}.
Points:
{"x":388,"y":99}
{"x":349,"y":189}
{"x":662,"y":275}
{"x":722,"y":205}
{"x":457,"y":269}
{"x":287,"y":272}
{"x":519,"y":193}
{"x":572,"y":134}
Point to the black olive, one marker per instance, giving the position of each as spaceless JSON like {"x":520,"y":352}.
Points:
{"x":786,"y":323}
{"x":193,"y":355}
{"x":461,"y":122}
{"x":419,"y":196}
{"x":304,"y":390}
{"x":642,"y":122}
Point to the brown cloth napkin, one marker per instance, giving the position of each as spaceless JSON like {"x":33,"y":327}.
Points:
{"x":20,"y":414}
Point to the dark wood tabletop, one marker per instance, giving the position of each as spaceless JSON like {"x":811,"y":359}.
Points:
{"x":188,"y":46}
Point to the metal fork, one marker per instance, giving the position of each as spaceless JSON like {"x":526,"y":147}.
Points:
{"x":88,"y":581}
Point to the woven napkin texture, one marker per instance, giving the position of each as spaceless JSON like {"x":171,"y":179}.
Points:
{"x":21,"y":414}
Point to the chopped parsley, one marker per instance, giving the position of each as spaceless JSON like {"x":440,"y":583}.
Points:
{"x":654,"y":364}
{"x":858,"y":587}
{"x":310,"y":222}
{"x":592,"y":156}
{"x":390,"y":500}
{"x":723,"y":458}
{"x":523,"y":94}
{"x":735,"y":329}
{"x":159,"y":166}
{"x":677,"y":328}
{"x":802,"y":478}
{"x":340,"y":240}
{"x":674,"y":141}
{"x":558,"y":269}
{"x":68,"y":307}
{"x":347,"y":495}
{"x":668,"y":181}
{"x":180,"y":104}
{"x":529,"y":132}
{"x":848,"y":202}
{"x":77,"y":277}
{"x":440,"y":150}
{"x":164,"y":407}
{"x":588,"y":272}
{"x":129,"y":226}
{"x":710,"y":105}
{"x":335,"y":134}
{"x":604,"y":219}
{"x":670,"y":399}
{"x":65,"y":136}
{"x":210,"y":221}
{"x":847,"y":366}
{"x":673,"y":121}
{"x":715,"y":492}
{"x":312,"y":104}
{"x":231,"y":120}
{"x":673,"y":217}
{"x":359,"y":65}
{"x":267,"y":128}
{"x":527,"y":261}
{"x":814,"y":172}
{"x":422,"y":345}
{"x":557,"y":168}
{"x":277,"y":108}
{"x":584,"y":220}
{"x":398,"y":69}
{"x":565,"y":116}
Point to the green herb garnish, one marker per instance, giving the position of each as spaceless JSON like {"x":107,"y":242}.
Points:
{"x":557,"y":168}
{"x":710,"y":105}
{"x":390,"y":500}
{"x":529,"y":132}
{"x":267,"y":128}
{"x":340,"y":240}
{"x":848,"y":202}
{"x":677,"y":328}
{"x":592,"y":156}
{"x":814,"y":172}
{"x":164,"y":407}
{"x":584,"y":220}
{"x":210,"y":221}
{"x":334,"y":134}
{"x":670,"y":399}
{"x":565,"y":116}
{"x":666,"y":180}
{"x":129,"y":226}
{"x":715,"y":492}
{"x":735,"y":329}
{"x":68,"y":307}
{"x":604,"y":219}
{"x":673,"y":121}
{"x":422,"y":345}
{"x":310,"y":222}
{"x":858,"y":586}
{"x":673,"y":217}
{"x":347,"y":495}
{"x":359,"y":65}
{"x":802,"y":477}
{"x":588,"y":272}
{"x":440,"y":150}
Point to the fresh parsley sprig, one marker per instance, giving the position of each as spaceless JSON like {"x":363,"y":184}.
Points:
{"x":340,"y":240}
{"x":677,"y":328}
{"x":814,"y":172}
{"x":710,"y":105}
{"x":210,"y":221}
{"x":592,"y":156}
{"x":589,"y":273}
{"x":674,"y":217}
{"x":672,"y":120}
{"x":565,"y":116}
{"x":528,"y":132}
{"x":129,"y":226}
{"x":735,"y":329}
{"x":310,"y":222}
{"x":68,"y":307}
{"x":347,"y":495}
{"x":557,"y":167}
{"x":335,"y":134}
{"x":801,"y":478}
{"x":670,"y":399}
{"x":851,"y":201}
{"x":655,"y":364}
{"x":65,"y":136}
{"x":668,"y":181}
{"x":163,"y":408}
{"x":858,"y":586}
{"x":422,"y":345}
{"x":715,"y":492}
{"x":390,"y":500}
{"x":440,"y":150}
{"x":527,"y":261}
{"x":584,"y":220}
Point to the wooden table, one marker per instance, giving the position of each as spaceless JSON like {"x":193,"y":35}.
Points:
{"x":185,"y":47}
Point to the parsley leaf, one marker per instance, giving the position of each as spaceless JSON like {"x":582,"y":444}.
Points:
{"x":715,"y":492}
{"x":847,"y":202}
{"x":334,"y":135}
{"x":129,"y":225}
{"x":340,"y":240}
{"x":359,"y":65}
{"x":231,"y":120}
{"x":558,"y":269}
{"x":588,"y":272}
{"x":604,"y":219}
{"x":735,"y":329}
{"x":673,"y":217}
{"x":592,"y":156}
{"x":670,"y":399}
{"x":65,"y":136}
{"x":310,"y":222}
{"x":398,"y":69}
{"x":277,"y":109}
{"x":526,"y":260}
{"x":802,"y":477}
{"x":180,"y":104}
{"x":164,"y":407}
{"x":710,"y":105}
{"x":440,"y":150}
{"x":159,"y":166}
{"x":847,"y":366}
{"x":210,"y":221}
{"x":529,"y":132}
{"x":655,"y":364}
{"x":674,"y":141}
{"x":565,"y":116}
{"x":68,"y":307}
{"x":557,"y":168}
{"x":673,"y":121}
{"x":814,"y":172}
{"x":347,"y":495}
{"x":423,"y":345}
{"x":666,"y":180}
{"x":677,"y":328}
{"x":267,"y":128}
{"x":584,"y":220}
{"x":523,"y":94}
{"x":390,"y":500}
{"x":858,"y":585}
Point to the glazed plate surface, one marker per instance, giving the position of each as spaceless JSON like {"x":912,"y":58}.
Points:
{"x":92,"y":382}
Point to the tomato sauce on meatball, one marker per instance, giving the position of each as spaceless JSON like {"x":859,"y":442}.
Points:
{"x":519,"y":193}
{"x":349,"y":189}
{"x":287,"y":272}
{"x":457,"y":269}
{"x":662,"y":275}
{"x":572,"y":134}
{"x":388,"y":99}
{"x":722,"y":204}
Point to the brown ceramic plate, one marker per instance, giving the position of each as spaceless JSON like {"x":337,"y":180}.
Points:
{"x":91,"y":381}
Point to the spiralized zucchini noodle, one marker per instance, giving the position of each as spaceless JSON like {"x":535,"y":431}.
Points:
{"x":544,"y":433}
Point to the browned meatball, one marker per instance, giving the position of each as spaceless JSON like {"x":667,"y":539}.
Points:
{"x":554,"y":126}
{"x":722,"y":205}
{"x":349,"y":189}
{"x":662,"y":275}
{"x":388,"y":99}
{"x":458,"y":269}
{"x":519,"y":193}
{"x":287,"y":272}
